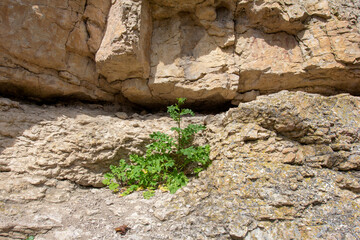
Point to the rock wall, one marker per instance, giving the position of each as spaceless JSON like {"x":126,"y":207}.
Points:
{"x":285,"y":166}
{"x":83,"y":142}
{"x":47,"y":49}
{"x":153,"y":51}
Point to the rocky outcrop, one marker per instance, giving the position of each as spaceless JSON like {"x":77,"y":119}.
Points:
{"x":47,"y":49}
{"x":124,"y":51}
{"x":285,"y":166}
{"x":211,"y":52}
{"x":219,"y":51}
{"x":70,"y":142}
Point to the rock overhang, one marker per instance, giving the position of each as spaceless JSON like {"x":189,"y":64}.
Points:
{"x":211,"y":52}
{"x":219,"y":51}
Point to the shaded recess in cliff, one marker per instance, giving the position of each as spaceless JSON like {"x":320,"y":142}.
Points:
{"x":72,"y":127}
{"x":84,"y":139}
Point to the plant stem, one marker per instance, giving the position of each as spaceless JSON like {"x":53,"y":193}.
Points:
{"x":179,"y":133}
{"x":178,"y":160}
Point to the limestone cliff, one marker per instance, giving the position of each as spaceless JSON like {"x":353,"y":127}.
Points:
{"x":154,"y":51}
{"x":285,"y":166}
{"x":285,"y":163}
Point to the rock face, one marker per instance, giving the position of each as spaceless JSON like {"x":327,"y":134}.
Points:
{"x":47,"y":49}
{"x":152,"y":51}
{"x":124,"y":51}
{"x":51,"y":141}
{"x":285,"y":166}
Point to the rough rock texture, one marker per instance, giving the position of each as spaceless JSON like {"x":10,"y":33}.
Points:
{"x":285,"y":166}
{"x":152,"y":51}
{"x":47,"y":49}
{"x":124,"y":51}
{"x":69,"y":142}
{"x":218,"y":51}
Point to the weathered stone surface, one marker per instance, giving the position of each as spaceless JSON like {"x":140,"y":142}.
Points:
{"x":209,"y":51}
{"x":300,"y":62}
{"x":250,"y":192}
{"x":47,"y":48}
{"x":273,"y":16}
{"x":212,"y":52}
{"x":182,"y":63}
{"x":124,"y":51}
{"x":50,"y":141}
{"x":285,"y":166}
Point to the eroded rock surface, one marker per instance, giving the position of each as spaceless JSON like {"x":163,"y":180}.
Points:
{"x":152,"y":51}
{"x":124,"y":51}
{"x":285,"y":166}
{"x":70,"y":142}
{"x":47,"y":49}
{"x":217,"y":51}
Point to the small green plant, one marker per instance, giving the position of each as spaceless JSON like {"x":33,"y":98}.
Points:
{"x":167,"y":161}
{"x":30,"y":238}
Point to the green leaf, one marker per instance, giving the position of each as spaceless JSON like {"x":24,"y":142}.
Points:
{"x":176,"y":129}
{"x":181,"y":101}
{"x":186,"y":111}
{"x":174,"y":112}
{"x":164,"y":160}
{"x":113,"y":186}
{"x":176,"y":181}
{"x":148,"y":194}
{"x":106,"y":181}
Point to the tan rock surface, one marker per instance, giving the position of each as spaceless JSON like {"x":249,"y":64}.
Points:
{"x":208,"y":51}
{"x":275,"y":173}
{"x":51,"y":141}
{"x":47,"y":48}
{"x":285,"y":166}
{"x":212,"y":52}
{"x":182,"y":63}
{"x":124,"y":51}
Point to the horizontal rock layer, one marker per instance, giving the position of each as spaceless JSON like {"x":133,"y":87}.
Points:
{"x":285,"y":166}
{"x":83,"y":143}
{"x":153,"y":51}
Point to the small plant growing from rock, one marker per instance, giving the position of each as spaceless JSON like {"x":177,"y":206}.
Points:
{"x":165,"y":162}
